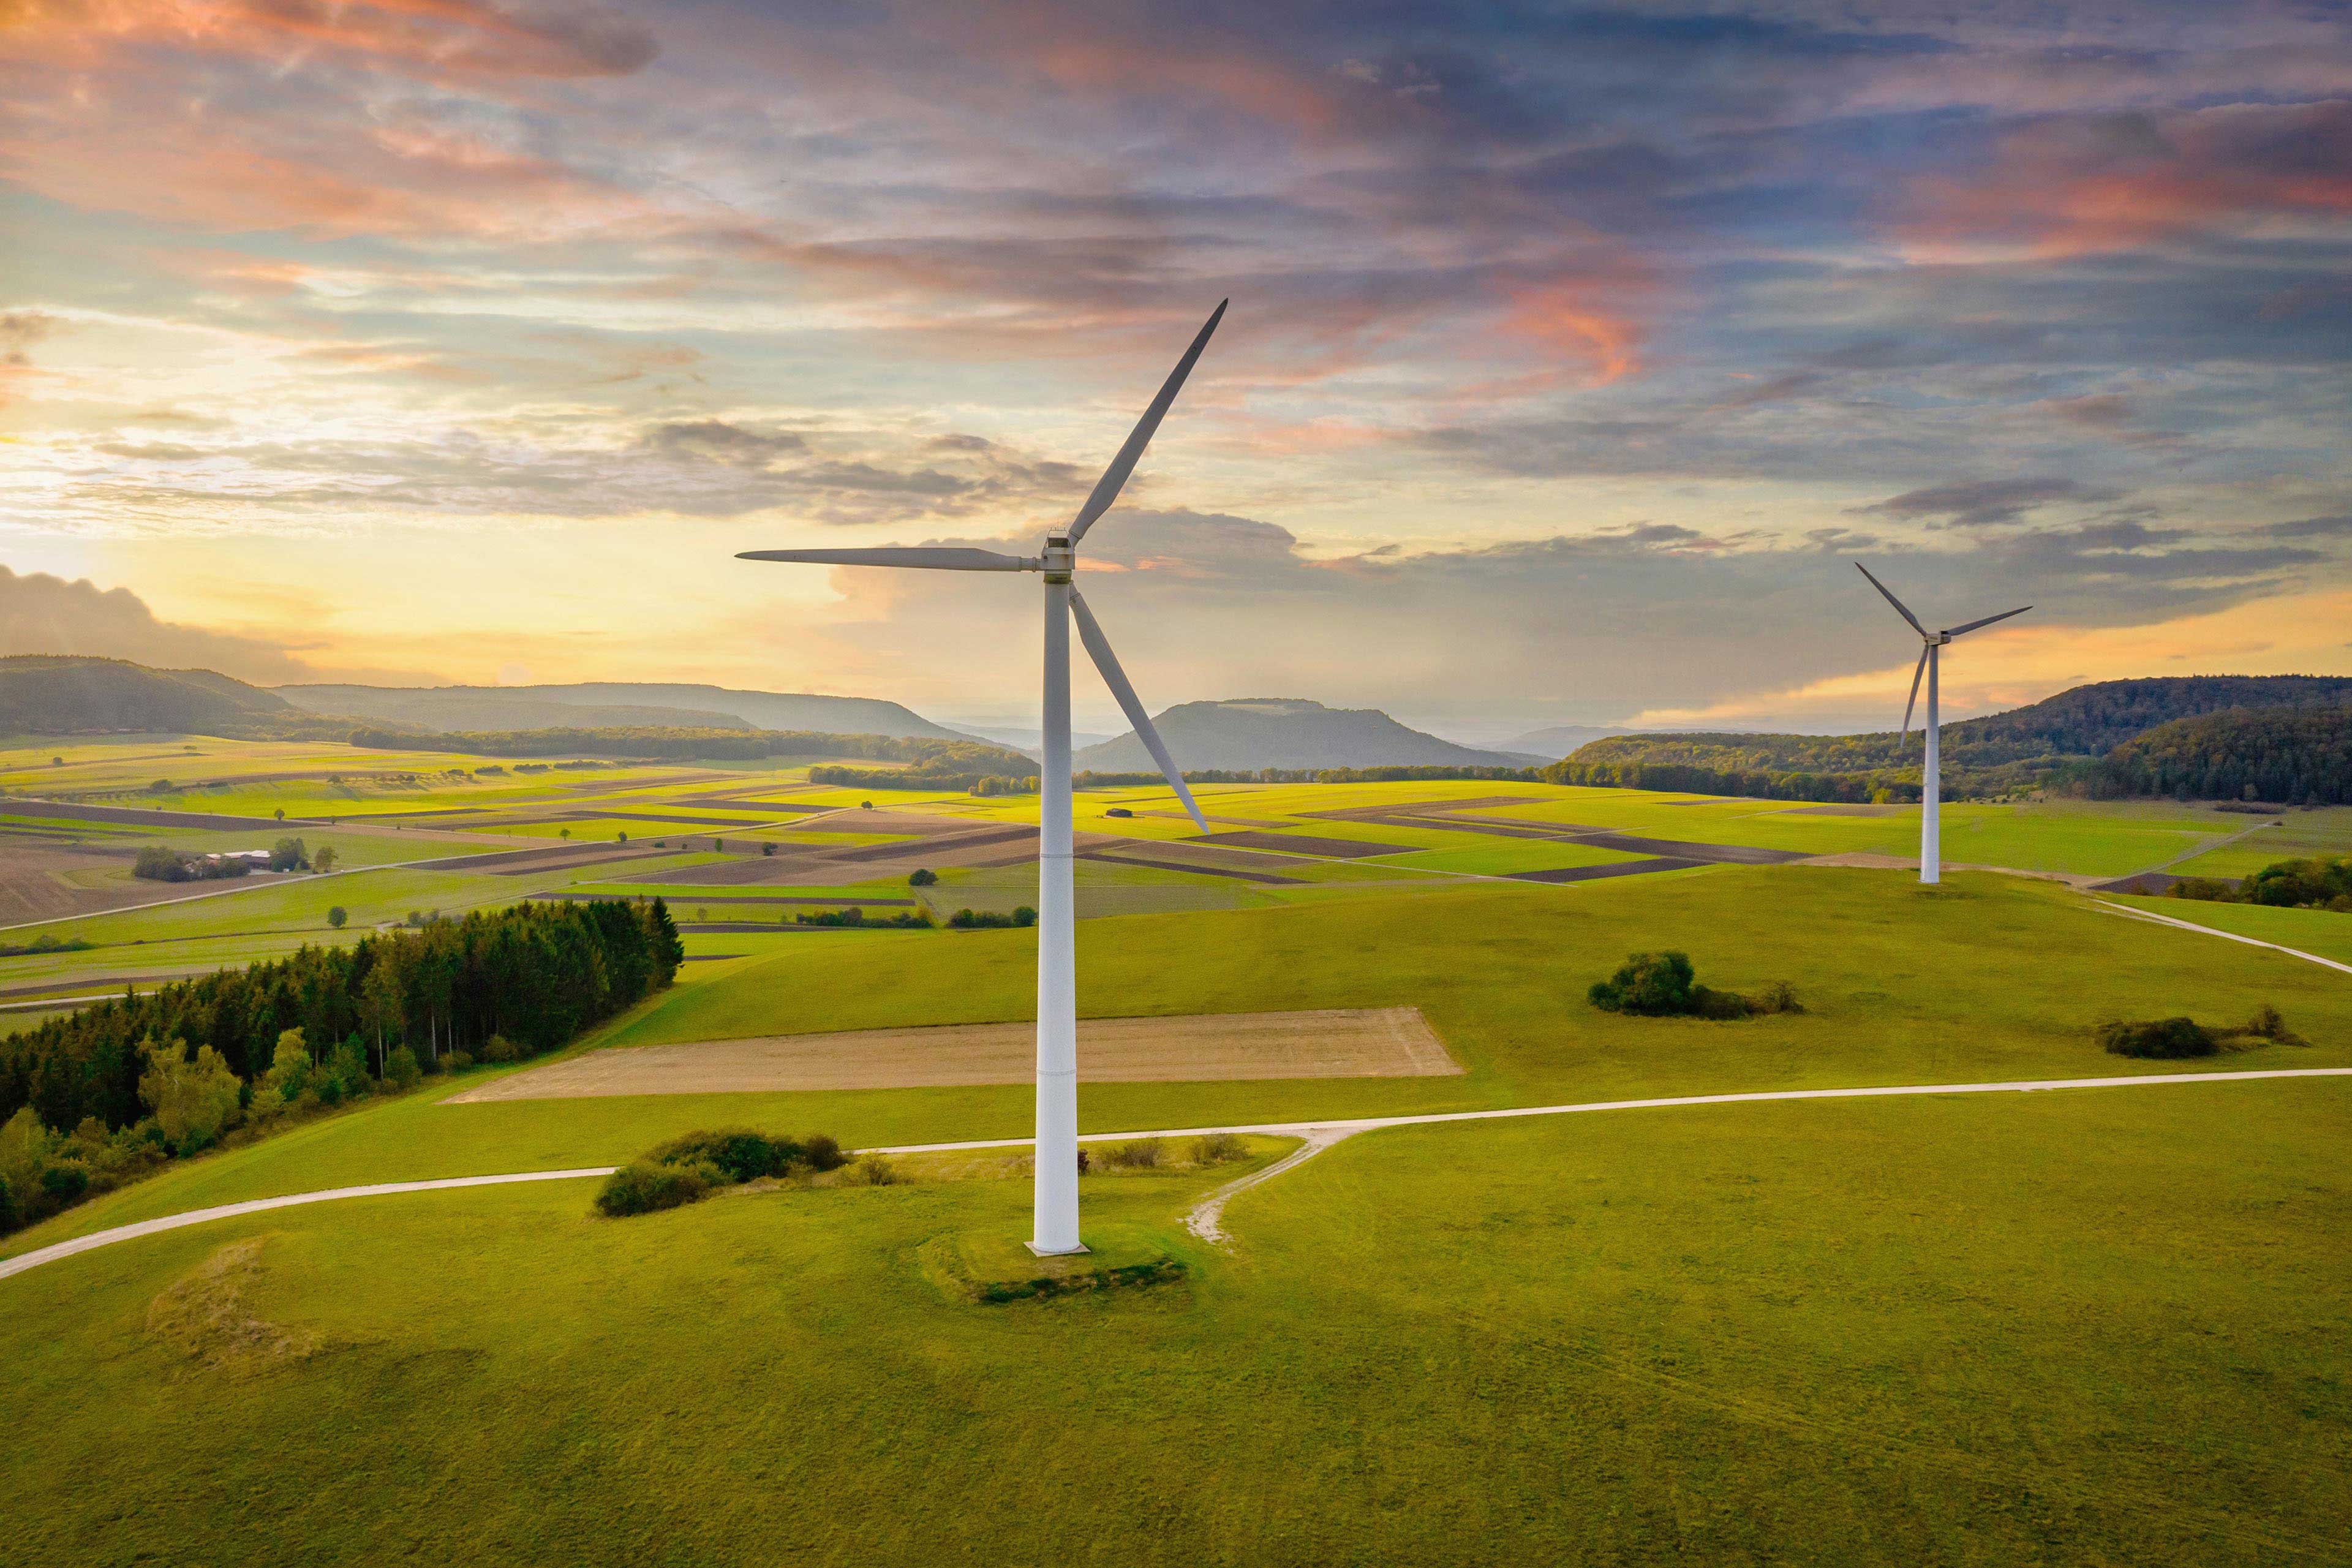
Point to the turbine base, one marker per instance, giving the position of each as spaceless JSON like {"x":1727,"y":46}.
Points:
{"x":1056,"y":1252}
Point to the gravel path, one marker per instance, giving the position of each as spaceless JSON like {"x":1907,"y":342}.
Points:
{"x":1202,"y":1220}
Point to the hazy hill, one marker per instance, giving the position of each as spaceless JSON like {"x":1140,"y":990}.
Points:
{"x":2021,"y":748}
{"x":60,"y":694}
{"x":1559,"y":739}
{"x":1284,"y":732}
{"x":611,"y":704}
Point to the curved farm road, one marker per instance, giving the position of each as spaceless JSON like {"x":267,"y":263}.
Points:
{"x":1202,"y":1219}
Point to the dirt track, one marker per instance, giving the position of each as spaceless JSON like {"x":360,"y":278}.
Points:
{"x":1387,"y":1042}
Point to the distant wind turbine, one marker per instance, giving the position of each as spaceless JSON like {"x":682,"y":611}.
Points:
{"x":1055,"y":1225}
{"x":1931,"y":789}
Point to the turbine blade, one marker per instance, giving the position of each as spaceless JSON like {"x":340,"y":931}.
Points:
{"x":1989,"y":620}
{"x":1090,"y":632}
{"x":1114,"y":477}
{"x":1891,"y":599}
{"x":937,"y":559}
{"x":1918,"y":670}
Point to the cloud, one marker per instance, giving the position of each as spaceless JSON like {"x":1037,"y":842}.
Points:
{"x":1979,"y":503}
{"x":715,"y":440}
{"x":41,"y":614}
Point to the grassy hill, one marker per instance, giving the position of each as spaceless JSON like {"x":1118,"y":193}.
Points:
{"x":1643,"y":1336}
{"x":1244,"y":733}
{"x":2024,"y":748}
{"x":614,"y":704}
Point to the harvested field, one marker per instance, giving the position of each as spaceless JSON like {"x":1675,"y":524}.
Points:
{"x":1301,"y":844}
{"x":1199,"y":869}
{"x":142,"y":816}
{"x":529,"y":862}
{"x":1382,"y":1042}
{"x":1615,"y":868}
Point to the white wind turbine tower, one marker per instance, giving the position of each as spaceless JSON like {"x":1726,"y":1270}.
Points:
{"x":1055,"y":1227}
{"x":1931,"y":791}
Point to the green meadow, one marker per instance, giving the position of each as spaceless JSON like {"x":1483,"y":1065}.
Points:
{"x":2100,"y":1326}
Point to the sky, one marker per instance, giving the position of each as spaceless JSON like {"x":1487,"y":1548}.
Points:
{"x":1573,"y":353}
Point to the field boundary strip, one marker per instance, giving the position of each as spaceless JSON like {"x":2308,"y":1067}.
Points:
{"x":1319,"y":1134}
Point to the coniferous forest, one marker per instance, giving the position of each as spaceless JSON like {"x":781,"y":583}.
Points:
{"x":176,"y":1067}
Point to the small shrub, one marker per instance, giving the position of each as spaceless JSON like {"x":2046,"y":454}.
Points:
{"x":874,"y":1171}
{"x":644,"y":1186}
{"x":1778,"y":997}
{"x":1653,"y":984}
{"x":456,"y":1061}
{"x":1708,"y":1003}
{"x":401,"y":1070}
{"x":337,"y":915}
{"x":2267,"y":1024}
{"x":2159,"y":1039}
{"x":499,"y":1048}
{"x":822,"y":1152}
{"x":922,"y":877}
{"x":1218,"y":1148}
{"x":1143,"y":1154}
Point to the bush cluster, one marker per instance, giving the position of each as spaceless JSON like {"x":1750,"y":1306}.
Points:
{"x":2321,"y":883}
{"x":693,"y":1165}
{"x":1665,"y":985}
{"x":2176,"y":1039}
{"x":966,"y":920}
{"x":902,"y":919}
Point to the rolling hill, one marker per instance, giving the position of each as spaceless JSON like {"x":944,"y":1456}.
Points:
{"x":613,"y":704}
{"x":2057,"y":740}
{"x":65,"y":694}
{"x":1250,"y":732}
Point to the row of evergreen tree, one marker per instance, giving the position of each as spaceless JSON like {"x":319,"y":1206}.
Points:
{"x":535,"y":974}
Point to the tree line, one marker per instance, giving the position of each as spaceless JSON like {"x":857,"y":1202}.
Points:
{"x":535,"y":974}
{"x":674,"y":743}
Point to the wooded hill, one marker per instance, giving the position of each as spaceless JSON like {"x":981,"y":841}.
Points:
{"x":65,"y":694}
{"x":2292,"y":756}
{"x":2055,"y":743}
{"x":948,"y":756}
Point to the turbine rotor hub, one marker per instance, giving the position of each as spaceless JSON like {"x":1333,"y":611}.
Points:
{"x":1059,"y":561}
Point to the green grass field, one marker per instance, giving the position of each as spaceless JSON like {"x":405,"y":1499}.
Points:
{"x":2108,"y":1326}
{"x":2104,"y":1326}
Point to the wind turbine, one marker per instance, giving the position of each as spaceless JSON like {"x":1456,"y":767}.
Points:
{"x":1931,"y":790}
{"x":1055,"y":1225}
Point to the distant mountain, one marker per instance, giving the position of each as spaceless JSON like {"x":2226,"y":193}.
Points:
{"x":609,"y":704}
{"x":50,"y":694}
{"x":2024,"y":748}
{"x":1027,"y":742}
{"x":1284,"y":732}
{"x":1559,"y":741}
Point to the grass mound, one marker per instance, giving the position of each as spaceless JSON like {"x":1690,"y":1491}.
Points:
{"x":204,"y":1316}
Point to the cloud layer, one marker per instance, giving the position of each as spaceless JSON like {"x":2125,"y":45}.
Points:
{"x":1608,"y":333}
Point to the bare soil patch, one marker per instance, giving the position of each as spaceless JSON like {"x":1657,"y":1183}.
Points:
{"x":1301,"y":844}
{"x":1378,"y":1042}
